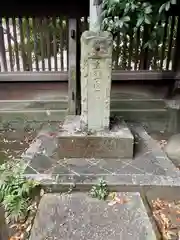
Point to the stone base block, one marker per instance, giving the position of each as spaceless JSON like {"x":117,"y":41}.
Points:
{"x":74,"y":143}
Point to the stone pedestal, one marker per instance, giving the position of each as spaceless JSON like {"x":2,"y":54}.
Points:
{"x":96,"y":67}
{"x":118,"y":142}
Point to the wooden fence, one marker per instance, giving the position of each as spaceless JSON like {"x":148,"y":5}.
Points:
{"x":130,"y":52}
{"x":41,"y":44}
{"x":34,"y":44}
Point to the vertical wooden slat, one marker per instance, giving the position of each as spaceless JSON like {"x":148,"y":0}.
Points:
{"x":130,"y":50}
{"x":29,"y":48}
{"x":137,"y":49}
{"x":72,"y":72}
{"x":46,"y":22}
{"x":62,"y":44}
{"x":34,"y":28}
{"x":16,"y":49}
{"x":117,"y":51}
{"x":78,"y":69}
{"x":67,"y":41}
{"x":176,"y":59}
{"x":170,"y":43}
{"x":40,"y":22}
{"x":64,"y":41}
{"x":124,"y":55}
{"x":54,"y":44}
{"x":164,"y":44}
{"x":86,"y":24}
{"x":3,"y":62}
{"x":9,"y":45}
{"x":23,"y":55}
{"x":176,"y":64}
{"x":144,"y":52}
{"x":155,"y":53}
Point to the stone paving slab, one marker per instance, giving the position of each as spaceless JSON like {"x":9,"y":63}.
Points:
{"x":78,"y":216}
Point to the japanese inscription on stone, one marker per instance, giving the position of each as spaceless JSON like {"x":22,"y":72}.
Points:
{"x":96,"y":76}
{"x":96,"y":61}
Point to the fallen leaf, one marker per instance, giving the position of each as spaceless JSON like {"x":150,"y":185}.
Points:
{"x":14,"y":238}
{"x":112,"y":195}
{"x":112,"y":203}
{"x":28,"y":229}
{"x":42,"y":192}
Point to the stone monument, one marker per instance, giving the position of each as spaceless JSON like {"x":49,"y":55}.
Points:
{"x":96,"y":65}
{"x":90,"y":135}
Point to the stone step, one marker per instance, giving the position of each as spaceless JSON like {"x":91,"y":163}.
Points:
{"x":62,"y":103}
{"x":21,"y":116}
{"x":117,"y":103}
{"x":59,"y":104}
{"x":51,"y":114}
{"x":148,"y":116}
{"x":73,"y":143}
{"x":78,"y":216}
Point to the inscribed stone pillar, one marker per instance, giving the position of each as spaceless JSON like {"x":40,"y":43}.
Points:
{"x":96,"y":68}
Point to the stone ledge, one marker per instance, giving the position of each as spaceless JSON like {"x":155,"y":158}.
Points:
{"x":74,"y":143}
{"x":78,"y":216}
{"x":120,"y":182}
{"x":11,"y":105}
{"x":19,"y":116}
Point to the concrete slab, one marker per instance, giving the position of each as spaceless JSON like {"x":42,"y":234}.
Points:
{"x":78,"y":216}
{"x":75,"y":143}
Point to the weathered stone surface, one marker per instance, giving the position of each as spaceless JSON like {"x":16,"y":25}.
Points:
{"x":44,"y":144}
{"x":96,"y":68}
{"x":151,"y":145}
{"x":77,"y":216}
{"x":115,"y":143}
{"x":21,"y":116}
{"x":4,"y":231}
{"x":172,"y":149}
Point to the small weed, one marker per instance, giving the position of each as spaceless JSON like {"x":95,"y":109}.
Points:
{"x":15,"y":190}
{"x":71,"y":187}
{"x":100,"y":190}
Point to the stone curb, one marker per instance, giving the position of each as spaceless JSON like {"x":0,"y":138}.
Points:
{"x":122,"y":182}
